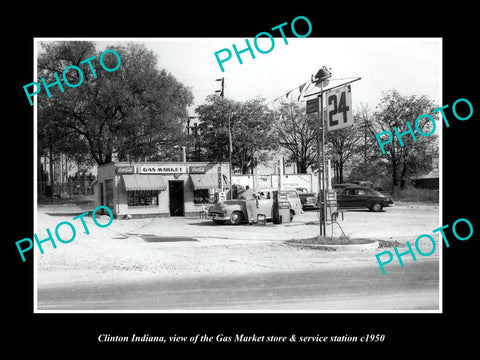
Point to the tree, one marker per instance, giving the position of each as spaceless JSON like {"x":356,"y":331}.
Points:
{"x":213,"y":127}
{"x":130,"y":112}
{"x":405,"y":162}
{"x":342,"y":145}
{"x":250,"y":132}
{"x":252,"y":136}
{"x":366,"y":163}
{"x":366,"y":147}
{"x":297,"y":132}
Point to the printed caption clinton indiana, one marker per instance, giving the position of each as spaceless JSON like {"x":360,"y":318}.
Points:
{"x":242,"y":338}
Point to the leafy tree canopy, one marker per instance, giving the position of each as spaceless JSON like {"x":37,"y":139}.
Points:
{"x":131,"y":112}
{"x":249,"y":128}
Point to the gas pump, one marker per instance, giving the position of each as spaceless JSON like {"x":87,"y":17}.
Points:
{"x":275,"y":213}
{"x":281,"y":208}
{"x":332,"y":206}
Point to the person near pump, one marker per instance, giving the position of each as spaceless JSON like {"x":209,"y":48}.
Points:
{"x":251,"y":203}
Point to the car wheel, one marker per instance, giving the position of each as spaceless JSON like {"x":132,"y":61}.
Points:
{"x":292,"y":213}
{"x":236,"y":218}
{"x":219,"y":222}
{"x":376,"y":207}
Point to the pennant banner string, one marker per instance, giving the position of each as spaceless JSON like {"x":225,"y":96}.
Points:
{"x":299,"y":87}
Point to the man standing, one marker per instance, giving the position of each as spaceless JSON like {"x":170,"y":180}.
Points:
{"x":251,"y":203}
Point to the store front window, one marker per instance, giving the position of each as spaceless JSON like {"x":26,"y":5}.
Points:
{"x":142,"y":197}
{"x":202,"y":196}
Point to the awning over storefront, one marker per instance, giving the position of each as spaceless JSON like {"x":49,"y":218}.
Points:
{"x":204,"y":181}
{"x":144,"y":182}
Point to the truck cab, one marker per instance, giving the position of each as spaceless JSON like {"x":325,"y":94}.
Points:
{"x":234,"y":211}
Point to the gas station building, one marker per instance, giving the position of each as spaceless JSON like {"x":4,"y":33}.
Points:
{"x":150,"y":189}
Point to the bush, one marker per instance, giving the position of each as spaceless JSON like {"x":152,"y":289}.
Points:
{"x":410,"y":193}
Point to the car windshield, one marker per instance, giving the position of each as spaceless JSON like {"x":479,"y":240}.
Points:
{"x":264,"y":194}
{"x":357,"y":191}
{"x":292,"y":194}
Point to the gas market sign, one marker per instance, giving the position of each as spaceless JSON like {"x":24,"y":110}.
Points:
{"x":339,"y":107}
{"x":171,"y":169}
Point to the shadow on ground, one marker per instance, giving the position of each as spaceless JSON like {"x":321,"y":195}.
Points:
{"x":156,"y":238}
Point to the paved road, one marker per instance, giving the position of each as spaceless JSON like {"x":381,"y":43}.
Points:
{"x":415,"y":286}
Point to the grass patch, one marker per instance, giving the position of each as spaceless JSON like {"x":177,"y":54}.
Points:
{"x":389,"y":244}
{"x":330,"y":241}
{"x":344,"y":240}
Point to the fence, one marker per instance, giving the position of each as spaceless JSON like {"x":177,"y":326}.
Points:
{"x":65,"y":189}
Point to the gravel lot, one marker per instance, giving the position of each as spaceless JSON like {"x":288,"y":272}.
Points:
{"x":172,"y":247}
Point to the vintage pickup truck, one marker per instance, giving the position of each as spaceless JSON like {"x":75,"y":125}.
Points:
{"x":235,"y":212}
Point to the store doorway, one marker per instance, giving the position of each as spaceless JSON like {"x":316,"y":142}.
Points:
{"x":176,"y":200}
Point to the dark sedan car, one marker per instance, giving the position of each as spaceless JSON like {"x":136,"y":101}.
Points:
{"x":309,"y":200}
{"x":339,"y":187}
{"x":358,"y":197}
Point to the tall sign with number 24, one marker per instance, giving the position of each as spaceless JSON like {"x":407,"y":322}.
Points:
{"x":339,"y":108}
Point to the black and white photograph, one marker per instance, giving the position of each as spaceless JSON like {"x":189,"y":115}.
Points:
{"x":234,"y":179}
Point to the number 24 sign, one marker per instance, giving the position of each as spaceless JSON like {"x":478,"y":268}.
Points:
{"x":339,"y":108}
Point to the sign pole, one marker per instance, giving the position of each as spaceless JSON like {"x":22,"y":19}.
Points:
{"x":323,"y":220}
{"x":319,"y":149}
{"x":320,"y":158}
{"x":341,"y":101}
{"x":229,"y":153}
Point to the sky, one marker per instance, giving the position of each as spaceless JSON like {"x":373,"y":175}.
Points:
{"x":410,"y":65}
{"x":413,"y":66}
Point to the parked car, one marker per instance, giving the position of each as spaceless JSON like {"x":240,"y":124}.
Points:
{"x":301,"y":190}
{"x":358,"y":197}
{"x":235,"y":211}
{"x":339,"y":187}
{"x":293,"y":198}
{"x":368,"y":184}
{"x":309,"y":200}
{"x":363,"y":183}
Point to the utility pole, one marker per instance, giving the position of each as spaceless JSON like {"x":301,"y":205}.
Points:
{"x":222,"y":94}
